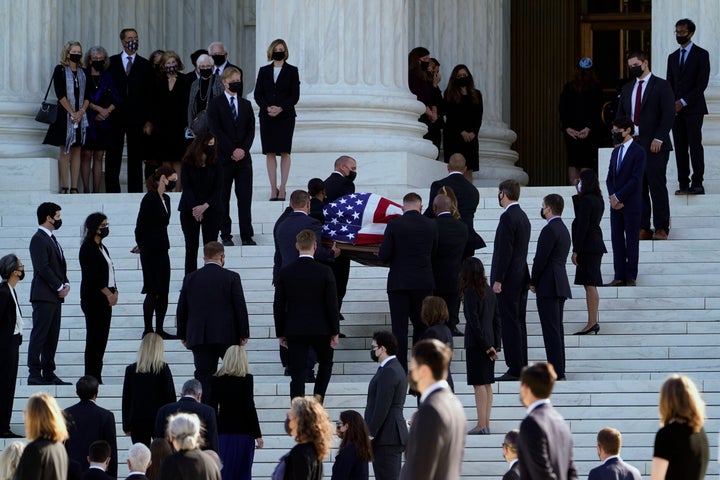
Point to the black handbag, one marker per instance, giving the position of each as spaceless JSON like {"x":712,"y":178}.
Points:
{"x":48,"y":111}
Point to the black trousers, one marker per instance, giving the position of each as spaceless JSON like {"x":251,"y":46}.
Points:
{"x":210,"y":227}
{"x":550,"y":310}
{"x":242,"y":174}
{"x":136,"y":147}
{"x":97,"y":330}
{"x":44,"y":338}
{"x":387,"y":460}
{"x":452,"y":300}
{"x":512,"y":305}
{"x":298,"y":350}
{"x":404,"y":305}
{"x":142,"y":432}
{"x":9,"y":361}
{"x":655,"y":194}
{"x":624,"y":235}
{"x":687,"y":133}
{"x":206,"y":358}
{"x":341,"y":270}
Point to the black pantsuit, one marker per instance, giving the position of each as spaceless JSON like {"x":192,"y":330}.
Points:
{"x":9,"y":362}
{"x":44,"y":338}
{"x":210,"y":226}
{"x":299,"y":348}
{"x":97,"y":325}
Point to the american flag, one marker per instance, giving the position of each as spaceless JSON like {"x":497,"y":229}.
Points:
{"x":359,"y":218}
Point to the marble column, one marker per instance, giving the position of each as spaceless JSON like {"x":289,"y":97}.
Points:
{"x":477,"y":34}
{"x":354,"y":98}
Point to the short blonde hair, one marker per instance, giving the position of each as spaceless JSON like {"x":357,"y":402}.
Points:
{"x":44,"y":418}
{"x":9,"y":459}
{"x":150,"y":358}
{"x":681,"y":401}
{"x":184,"y":431}
{"x":66,"y":50}
{"x":275,"y":43}
{"x":235,"y":362}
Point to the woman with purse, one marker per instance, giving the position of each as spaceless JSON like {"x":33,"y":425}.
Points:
{"x":68,"y":131}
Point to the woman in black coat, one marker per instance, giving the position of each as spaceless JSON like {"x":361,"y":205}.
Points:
{"x":434,"y":314}
{"x":11,"y":324}
{"x":588,"y":244}
{"x":309,"y":423}
{"x":463,"y":108}
{"x":277,"y":90}
{"x":98,"y":292}
{"x":355,"y":452}
{"x":153,"y":245}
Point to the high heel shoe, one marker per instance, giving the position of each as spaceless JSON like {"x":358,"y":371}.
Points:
{"x":595,"y":329}
{"x":74,"y":190}
{"x":63,"y":190}
{"x":275,"y":198}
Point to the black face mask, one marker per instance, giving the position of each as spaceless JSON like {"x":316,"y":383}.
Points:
{"x":278,"y":55}
{"x":104,"y":232}
{"x":424,"y":66}
{"x":170,"y":186}
{"x":636,"y":71}
{"x":499,"y":200}
{"x":373,"y":355}
{"x":542,"y":213}
{"x":206,"y":72}
{"x":287,"y":426}
{"x":209,"y":150}
{"x":131,"y":45}
{"x":218,"y":59}
{"x":75,"y":57}
{"x":171,"y":70}
{"x":352,"y":175}
{"x":57,"y":224}
{"x":22,"y":274}
{"x":98,"y":65}
{"x":463,"y":81}
{"x":682,"y":40}
{"x":617,"y":138}
{"x":412,"y":384}
{"x":235,"y":87}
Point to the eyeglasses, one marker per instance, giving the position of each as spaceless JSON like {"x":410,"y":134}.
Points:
{"x":338,"y":424}
{"x":374,"y":347}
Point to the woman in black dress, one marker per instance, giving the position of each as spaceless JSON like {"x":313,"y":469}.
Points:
{"x":200,"y":204}
{"x":420,"y":81}
{"x":237,"y":419}
{"x":355,"y":452}
{"x":588,"y":244}
{"x":581,"y":106}
{"x":98,"y":292}
{"x":434,"y":315}
{"x":153,"y":245}
{"x":68,"y":131}
{"x":482,"y":338}
{"x":308,"y":422}
{"x":104,"y":98}
{"x":148,"y":385}
{"x":681,"y":449}
{"x":463,"y":108}
{"x":277,"y":90}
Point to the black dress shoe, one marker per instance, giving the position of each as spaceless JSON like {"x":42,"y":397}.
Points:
{"x":456,"y":332}
{"x":227,"y":242}
{"x":630,"y":282}
{"x":682,"y":191}
{"x":38,"y":381}
{"x":10,"y":434}
{"x":506,"y":377}
{"x":55,"y":380}
{"x":696,"y":191}
{"x":248,"y":242}
{"x":615,"y":283}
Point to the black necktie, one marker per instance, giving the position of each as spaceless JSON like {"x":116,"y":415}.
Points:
{"x":128,"y":67}
{"x":57,"y":245}
{"x":682,"y":57}
{"x":234,"y":110}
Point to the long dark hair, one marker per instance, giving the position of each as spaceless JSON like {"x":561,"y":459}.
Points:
{"x":357,"y":433}
{"x":92,"y":223}
{"x":585,"y":79}
{"x":151,"y":183}
{"x":452,"y":92}
{"x":590,"y":183}
{"x":472,"y":275}
{"x":199,"y":150}
{"x":414,"y":63}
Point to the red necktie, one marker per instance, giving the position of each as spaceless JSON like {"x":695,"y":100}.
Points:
{"x":638,"y":101}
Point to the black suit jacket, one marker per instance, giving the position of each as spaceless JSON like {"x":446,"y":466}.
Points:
{"x":284,"y":93}
{"x":545,"y":445}
{"x":97,"y":474}
{"x":8,"y":317}
{"x":135,"y":90}
{"x":614,"y":469}
{"x":229,"y":134}
{"x":189,"y":465}
{"x":277,"y":259}
{"x":549,"y":275}
{"x":409,"y":244}
{"x":287,"y":232}
{"x":306,"y":300}
{"x":88,"y":422}
{"x":513,"y":472}
{"x":234,"y":403}
{"x":657,"y":111}
{"x":49,"y":269}
{"x":348,"y":466}
{"x":152,"y":221}
{"x":509,"y":260}
{"x":385,"y":403}
{"x":201,"y":185}
{"x":482,"y":320}
{"x":587,"y":235}
{"x":301,"y":463}
{"x":95,"y":271}
{"x":143,"y":394}
{"x":211,"y":308}
{"x":626,"y":184}
{"x":205,"y":413}
{"x":337,"y":185}
{"x":452,"y":238}
{"x":42,"y":459}
{"x":690,"y":81}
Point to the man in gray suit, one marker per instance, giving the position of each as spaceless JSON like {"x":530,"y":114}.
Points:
{"x":545,"y":442}
{"x":510,"y":453}
{"x":437,"y":435}
{"x":609,"y":442}
{"x":384,"y":409}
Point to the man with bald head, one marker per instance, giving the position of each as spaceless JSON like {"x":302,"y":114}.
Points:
{"x":452,"y":238}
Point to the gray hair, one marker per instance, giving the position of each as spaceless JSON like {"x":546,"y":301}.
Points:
{"x":216,"y":44}
{"x":8,"y":264}
{"x":139,"y":457}
{"x":184,"y":431}
{"x":191,"y":387}
{"x":205,"y":58}
{"x":97,"y":49}
{"x":10,"y":459}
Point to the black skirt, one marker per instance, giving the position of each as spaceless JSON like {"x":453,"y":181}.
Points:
{"x":276,"y":134}
{"x":156,"y":271}
{"x":480,"y":369}
{"x":588,"y":269}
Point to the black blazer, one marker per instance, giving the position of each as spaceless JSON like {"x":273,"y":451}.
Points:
{"x":513,"y":472}
{"x":234,"y":403}
{"x":152,"y":221}
{"x":143,"y":395}
{"x":690,"y":81}
{"x":657,"y":111}
{"x":626,"y":184}
{"x":95,"y":271}
{"x":446,"y":264}
{"x":88,"y":422}
{"x":211,"y":308}
{"x":509,"y":260}
{"x":49,"y":269}
{"x":8,"y":317}
{"x":482,"y":320}
{"x":385,"y":403}
{"x":205,"y":413}
{"x":306,"y":300}
{"x":549,"y":275}
{"x":42,"y":459}
{"x":545,"y":445}
{"x":316,"y":210}
{"x":96,"y":474}
{"x":189,"y":465}
{"x":587,"y":235}
{"x":135,"y":89}
{"x":201,"y":185}
{"x":348,"y":466}
{"x":288,"y":230}
{"x":302,"y":463}
{"x":284,"y":93}
{"x":229,"y":134}
{"x":337,"y":185}
{"x":277,"y":258}
{"x":614,"y":469}
{"x":468,"y":199}
{"x":409,"y":244}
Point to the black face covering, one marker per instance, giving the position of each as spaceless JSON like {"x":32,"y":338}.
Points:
{"x":287,"y":426}
{"x":463,"y":81}
{"x":235,"y":87}
{"x":218,"y":59}
{"x":636,"y":71}
{"x":206,"y":72}
{"x":373,"y":355}
{"x":682,"y":40}
{"x":424,"y":66}
{"x":352,"y":175}
{"x":104,"y":232}
{"x":57,"y":224}
{"x":98,"y":65}
{"x":22,"y":274}
{"x":617,"y":138}
{"x":542,"y":213}
{"x":278,"y":55}
{"x":75,"y":57}
{"x":170,"y":186}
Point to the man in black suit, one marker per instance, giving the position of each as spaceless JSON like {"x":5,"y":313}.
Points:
{"x":409,"y":244}
{"x":11,"y":324}
{"x":688,"y":72}
{"x":232,"y":122}
{"x":510,"y":277}
{"x":545,"y":443}
{"x":437,"y":435}
{"x":211,"y":313}
{"x":306,"y":315}
{"x":384,"y":409}
{"x":510,"y":453}
{"x":452,"y":239}
{"x":648,"y":101}
{"x":133,"y":78}
{"x":609,"y":442}
{"x":624,"y":187}
{"x":189,"y":402}
{"x":467,"y":197}
{"x":87,"y":423}
{"x":219,"y":55}
{"x":48,"y":290}
{"x":138,"y":461}
{"x":549,"y":280}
